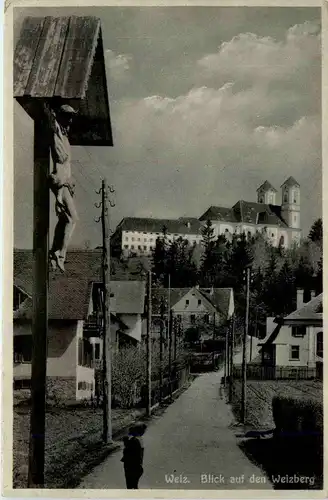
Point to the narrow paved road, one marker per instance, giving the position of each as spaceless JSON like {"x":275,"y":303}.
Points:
{"x":192,"y":441}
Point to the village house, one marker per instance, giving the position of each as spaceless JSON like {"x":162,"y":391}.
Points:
{"x":70,"y":357}
{"x":210,"y":307}
{"x":280,"y":223}
{"x":293,"y":346}
{"x":75,"y":322}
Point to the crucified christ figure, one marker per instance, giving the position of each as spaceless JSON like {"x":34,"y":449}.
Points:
{"x":61,"y":183}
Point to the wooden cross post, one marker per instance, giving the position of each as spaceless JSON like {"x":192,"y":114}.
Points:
{"x":40,"y":306}
{"x":52,"y":64}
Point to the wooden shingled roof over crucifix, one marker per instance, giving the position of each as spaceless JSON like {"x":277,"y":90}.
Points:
{"x":62,"y":59}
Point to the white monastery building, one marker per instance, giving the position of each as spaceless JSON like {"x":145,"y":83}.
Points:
{"x":280,"y":223}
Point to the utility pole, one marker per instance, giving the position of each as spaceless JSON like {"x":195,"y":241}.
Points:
{"x":232,"y":345}
{"x":149,"y":345}
{"x":161,"y":340}
{"x":226,"y":357}
{"x":244,"y":365}
{"x":40,"y":306}
{"x":213,"y":337}
{"x":255,"y":332}
{"x":169,"y":331}
{"x":175,"y":329}
{"x":107,"y":351}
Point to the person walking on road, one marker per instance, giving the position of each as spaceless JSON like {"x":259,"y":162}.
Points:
{"x":133,"y":454}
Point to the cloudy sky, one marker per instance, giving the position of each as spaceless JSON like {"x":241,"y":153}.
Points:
{"x":206,"y":103}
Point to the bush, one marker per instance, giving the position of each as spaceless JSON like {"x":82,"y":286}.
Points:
{"x":128,"y":373}
{"x":293,"y":415}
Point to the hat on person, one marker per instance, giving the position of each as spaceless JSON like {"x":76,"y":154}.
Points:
{"x":67,"y":109}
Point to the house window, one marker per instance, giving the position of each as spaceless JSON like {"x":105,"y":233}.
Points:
{"x":187,"y":302}
{"x":139,"y":239}
{"x":132,"y":238}
{"x":151,"y":239}
{"x":261,"y":200}
{"x":23,"y":349}
{"x":199,"y":302}
{"x":272,"y":235}
{"x":145,"y":247}
{"x":207,"y":318}
{"x":126,"y":239}
{"x":266,"y":355}
{"x":132,"y":247}
{"x":145,"y":240}
{"x":286,"y":197}
{"x":320,"y":344}
{"x":298,"y":331}
{"x":22,"y":384}
{"x":192,"y":319}
{"x":139,"y":247}
{"x":294,"y":353}
{"x":282,"y":241}
{"x":97,"y":351}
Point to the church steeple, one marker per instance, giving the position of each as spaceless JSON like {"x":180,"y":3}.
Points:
{"x":266,"y":193}
{"x":291,"y":203}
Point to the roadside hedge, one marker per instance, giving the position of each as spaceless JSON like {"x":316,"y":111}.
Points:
{"x":297,"y":416}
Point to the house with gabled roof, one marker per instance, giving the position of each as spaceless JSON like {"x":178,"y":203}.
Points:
{"x":293,"y":345}
{"x":195,"y":305}
{"x":75,"y":322}
{"x":279,"y":223}
{"x":70,"y":355}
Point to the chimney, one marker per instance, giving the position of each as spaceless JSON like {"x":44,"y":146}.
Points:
{"x":188,"y":225}
{"x":312,"y":294}
{"x":300,"y":298}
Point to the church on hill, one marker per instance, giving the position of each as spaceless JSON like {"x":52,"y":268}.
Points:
{"x":280,"y":223}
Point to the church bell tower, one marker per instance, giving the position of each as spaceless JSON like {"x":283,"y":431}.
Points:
{"x":291,"y":203}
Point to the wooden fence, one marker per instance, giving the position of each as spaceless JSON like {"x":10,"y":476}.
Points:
{"x":260,"y":372}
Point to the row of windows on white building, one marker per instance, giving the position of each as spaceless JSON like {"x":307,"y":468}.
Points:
{"x":130,"y":240}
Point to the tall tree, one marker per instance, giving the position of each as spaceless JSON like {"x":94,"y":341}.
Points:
{"x":316,"y":231}
{"x":207,"y":268}
{"x":160,"y":256}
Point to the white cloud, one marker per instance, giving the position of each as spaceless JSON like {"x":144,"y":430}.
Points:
{"x":257,"y":61}
{"x":118,"y":65}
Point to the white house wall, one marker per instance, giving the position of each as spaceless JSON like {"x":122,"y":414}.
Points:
{"x":307,"y":346}
{"x":62,"y":346}
{"x":85,"y":375}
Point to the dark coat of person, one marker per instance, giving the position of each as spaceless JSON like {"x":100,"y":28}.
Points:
{"x":133,"y":454}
